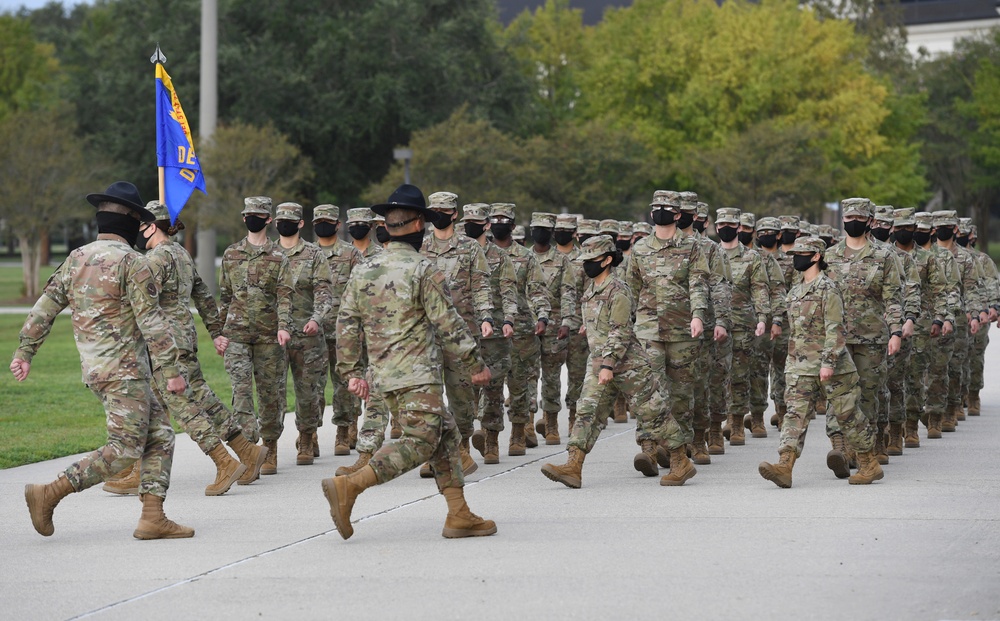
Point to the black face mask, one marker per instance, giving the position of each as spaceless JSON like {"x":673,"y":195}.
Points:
{"x":359,"y":231}
{"x":623,"y":244}
{"x":881,"y":234}
{"x":904,"y":238}
{"x":662,"y":217}
{"x":788,"y":237}
{"x":502,"y":231}
{"x":726,"y":233}
{"x":944,"y":234}
{"x":563,"y":237}
{"x":616,"y":258}
{"x":802,"y":262}
{"x":685,"y":220}
{"x":256,"y":224}
{"x":287,"y":228}
{"x":963,"y":241}
{"x":541,"y":235}
{"x":443,"y":220}
{"x":699,"y":225}
{"x":121,"y":224}
{"x":593,"y":269}
{"x":325,"y":229}
{"x":767,"y":241}
{"x":415,"y":239}
{"x":855,"y":228}
{"x":583,"y":238}
{"x":141,"y":241}
{"x":474,"y":229}
{"x":746,"y":238}
{"x":828,"y":241}
{"x":382,"y":234}
{"x":921,"y":237}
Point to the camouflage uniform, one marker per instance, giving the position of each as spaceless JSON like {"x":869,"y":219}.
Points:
{"x":256,"y":296}
{"x":780,"y":349}
{"x":577,"y":352}
{"x":765,"y":347}
{"x":991,"y":296}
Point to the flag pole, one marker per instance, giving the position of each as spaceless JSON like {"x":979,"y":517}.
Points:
{"x":156,"y":59}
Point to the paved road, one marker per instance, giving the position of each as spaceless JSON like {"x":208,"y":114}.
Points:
{"x":922,"y":544}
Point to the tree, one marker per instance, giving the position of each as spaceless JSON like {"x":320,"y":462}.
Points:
{"x":29,"y":72}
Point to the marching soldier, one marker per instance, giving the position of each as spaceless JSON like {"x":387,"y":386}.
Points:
{"x":577,"y":352}
{"x":766,"y":236}
{"x":982,"y":338}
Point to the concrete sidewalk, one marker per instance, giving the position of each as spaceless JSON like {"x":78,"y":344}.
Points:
{"x":924,"y":543}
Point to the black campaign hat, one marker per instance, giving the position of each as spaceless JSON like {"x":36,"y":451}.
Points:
{"x":125,"y":194}
{"x":406,"y":196}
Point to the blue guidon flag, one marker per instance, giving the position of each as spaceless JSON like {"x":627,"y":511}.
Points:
{"x":175,"y":147}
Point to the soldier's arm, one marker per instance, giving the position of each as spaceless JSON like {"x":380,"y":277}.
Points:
{"x":453,"y":333}
{"x":698,"y":275}
{"x":350,"y":335}
{"x":911,"y":289}
{"x":633,"y":278}
{"x":508,"y":289}
{"x":225,"y":290}
{"x":939,"y":290}
{"x":576,"y":273}
{"x":285,"y":289}
{"x":322,"y":279}
{"x":42,"y":315}
{"x":619,"y":329}
{"x":759,"y":290}
{"x":537,"y":292}
{"x":143,"y":295}
{"x":721,"y":288}
{"x":482,"y":297}
{"x":207,"y":308}
{"x":892,"y":291}
{"x":835,"y":340}
{"x":778,"y":291}
{"x":568,"y":295}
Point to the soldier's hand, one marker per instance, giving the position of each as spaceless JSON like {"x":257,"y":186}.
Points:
{"x":176,"y":385}
{"x":947,"y":329}
{"x":908,"y":329}
{"x":563,"y":333}
{"x":935,"y":331}
{"x":974,"y":325}
{"x":775,"y":331}
{"x":486,"y":329}
{"x":605,"y":376}
{"x":984,"y":317}
{"x":483,"y":377}
{"x":697,"y":328}
{"x":993,"y":315}
{"x":358,"y":387}
{"x":760,"y":329}
{"x":311,"y":328}
{"x":20,"y":369}
{"x":583,"y":329}
{"x":825,"y":373}
{"x":894,"y":343}
{"x":283,"y":337}
{"x":720,"y":334}
{"x":540,"y":328}
{"x":508,"y":331}
{"x":221,"y":344}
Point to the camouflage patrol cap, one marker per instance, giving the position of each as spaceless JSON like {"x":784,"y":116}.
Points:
{"x":727,"y":215}
{"x":811,"y":230}
{"x":642,"y":228}
{"x":288,"y":211}
{"x":702,"y":210}
{"x":587,"y":226}
{"x":946,"y":217}
{"x":789,"y":223}
{"x":475,"y":212}
{"x":608,"y":226}
{"x":625,"y":228}
{"x":884,"y":213}
{"x":326,"y":211}
{"x":768,"y":223}
{"x":904,"y":217}
{"x":360,"y":214}
{"x":825,"y":230}
{"x":924,"y":220}
{"x":443,"y":200}
{"x":566,"y":222}
{"x":377,"y":219}
{"x":543,"y":219}
{"x":257,"y":205}
{"x":689,"y":202}
{"x":810,"y":244}
{"x":748,"y":219}
{"x":517,"y":233}
{"x":158,"y":210}
{"x":502,"y":210}
{"x":857,"y":207}
{"x":596,"y":247}
{"x":666,"y":198}
{"x":964,"y":226}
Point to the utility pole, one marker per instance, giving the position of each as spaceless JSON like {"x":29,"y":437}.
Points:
{"x":208,"y":112}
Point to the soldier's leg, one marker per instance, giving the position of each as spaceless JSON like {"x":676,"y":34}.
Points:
{"x":269,"y":372}
{"x":681,"y":357}
{"x":553,"y":358}
{"x":239,"y":366}
{"x":779,"y":352}
{"x":800,"y":399}
{"x":223,"y":421}
{"x":158,"y":453}
{"x":187,"y":411}
{"x":957,"y":376}
{"x":739,"y":382}
{"x":899,"y":371}
{"x":461,"y":396}
{"x":758,"y":374}
{"x":496,"y":355}
{"x":871,"y":368}
{"x":590,"y":418}
{"x":308,"y":382}
{"x":656,"y":353}
{"x":372,"y":434}
{"x":939,"y":353}
{"x":649,"y":401}
{"x":719,"y":392}
{"x":981,"y":340}
{"x":843,"y":393}
{"x":700,"y":414}
{"x":523,"y":356}
{"x":346,"y":407}
{"x":915,"y":382}
{"x":577,"y":354}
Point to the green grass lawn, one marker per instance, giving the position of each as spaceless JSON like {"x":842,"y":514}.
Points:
{"x":12,"y":285}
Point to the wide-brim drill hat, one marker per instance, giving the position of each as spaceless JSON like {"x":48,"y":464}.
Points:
{"x":406,"y":196}
{"x":125,"y":194}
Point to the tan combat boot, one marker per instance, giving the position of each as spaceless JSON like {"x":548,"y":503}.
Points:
{"x":154,"y":524}
{"x":934,"y":426}
{"x":779,"y":415}
{"x":663,"y":454}
{"x":572,"y":419}
{"x":122,"y":474}
{"x":315,"y":441}
{"x":820,"y":409}
{"x":948,"y":420}
{"x":645,"y":461}
{"x":716,"y":445}
{"x":395,"y":429}
{"x":227,"y":471}
{"x":699,"y":452}
{"x":681,"y":469}
{"x":478,"y":440}
{"x":305,"y":455}
{"x":736,"y":432}
{"x":552,"y":428}
{"x":868,"y":470}
{"x":836,"y":459}
{"x":880,"y":450}
{"x":781,"y":473}
{"x":621,"y":411}
{"x":570,"y":474}
{"x":757,"y":428}
{"x":461,"y":522}
{"x":251,"y":455}
{"x":426,"y":472}
{"x":912,"y":439}
{"x":469,"y":465}
{"x":895,"y":439}
{"x":492,"y":454}
{"x":127,"y":485}
{"x":960,"y":410}
{"x":974,"y":403}
{"x":341,"y":445}
{"x":363,"y":459}
{"x":352,"y":434}
{"x":42,"y":501}
{"x":540,"y":425}
{"x":516,"y":448}
{"x":342,"y":491}
{"x":270,"y":465}
{"x":727,"y":429}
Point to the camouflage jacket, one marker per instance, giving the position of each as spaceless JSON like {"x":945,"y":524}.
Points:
{"x":911,"y":283}
{"x":750,"y":288}
{"x":938,"y":294}
{"x":180,"y":285}
{"x":397,"y":303}
{"x":969,"y":280}
{"x":775,"y":286}
{"x":503,"y":288}
{"x":341,"y":258}
{"x":580,"y":282}
{"x":373,"y":249}
{"x":532,"y":296}
{"x":467,"y":274}
{"x":816,"y":334}
{"x":669,"y":279}
{"x":954,"y":277}
{"x":720,"y":284}
{"x":871,"y":287}
{"x":786,"y":262}
{"x":607,"y":313}
{"x":557,"y":275}
{"x":256,"y":292}
{"x":113,"y":297}
{"x":312,"y":285}
{"x":988,"y":270}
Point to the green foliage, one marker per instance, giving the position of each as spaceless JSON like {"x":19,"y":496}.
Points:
{"x":29,"y":71}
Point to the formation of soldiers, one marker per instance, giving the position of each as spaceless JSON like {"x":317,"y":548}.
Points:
{"x":880,"y":330}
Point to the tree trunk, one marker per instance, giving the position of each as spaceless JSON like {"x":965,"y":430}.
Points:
{"x":982,"y":221}
{"x":189,"y":236}
{"x":31,"y":255}
{"x":45,"y":248}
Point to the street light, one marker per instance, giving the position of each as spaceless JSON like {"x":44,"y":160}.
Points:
{"x":406,"y":155}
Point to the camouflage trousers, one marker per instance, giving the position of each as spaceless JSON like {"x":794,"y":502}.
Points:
{"x":371,"y":436}
{"x":461,"y":396}
{"x":938,"y":354}
{"x":430,"y":434}
{"x":763,"y":347}
{"x":307,"y":358}
{"x":675,"y":365}
{"x":522,"y":381}
{"x":197,"y":410}
{"x":897,"y":379}
{"x":553,"y":358}
{"x":496,"y":355}
{"x":346,"y":407}
{"x":779,"y":352}
{"x":872,"y":368}
{"x":577,"y":356}
{"x":916,"y":382}
{"x":842,"y":394}
{"x":263,"y":365}
{"x":711,"y":390}
{"x":744,"y":343}
{"x":977,"y":358}
{"x":958,"y":368}
{"x":138,"y":428}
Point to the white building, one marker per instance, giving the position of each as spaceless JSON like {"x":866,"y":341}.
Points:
{"x":934,"y":25}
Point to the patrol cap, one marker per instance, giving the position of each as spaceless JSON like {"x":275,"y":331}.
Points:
{"x":727,"y":215}
{"x":476,"y":212}
{"x":257,"y":205}
{"x":588,"y":227}
{"x":158,"y":210}
{"x":543,"y":219}
{"x":964,"y":226}
{"x":642,"y":228}
{"x":326,"y":211}
{"x":360,"y":214}
{"x":904,"y":217}
{"x":689,"y":202}
{"x":702,"y":210}
{"x":517,"y":233}
{"x":596,"y":247}
{"x":748,"y":219}
{"x":825,"y":230}
{"x":288,"y":211}
{"x":811,"y":229}
{"x":566,"y":222}
{"x":625,"y":228}
{"x":946,"y":217}
{"x":666,"y":198}
{"x":502,"y":210}
{"x":810,"y":244}
{"x":443,"y":200}
{"x":857,"y":207}
{"x":608,"y":226}
{"x":789,"y":223}
{"x":924,"y":220}
{"x":768,"y":223}
{"x":377,"y":219}
{"x":884,"y":213}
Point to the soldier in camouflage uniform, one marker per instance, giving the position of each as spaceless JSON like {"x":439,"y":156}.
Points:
{"x":747,"y":223}
{"x":397,"y":304}
{"x":819,"y":363}
{"x":256,"y":300}
{"x":577,"y":351}
{"x":312,"y":297}
{"x":496,"y":348}
{"x":359,"y":226}
{"x":112,"y":295}
{"x":787,"y":235}
{"x":518,"y":234}
{"x":533,"y":311}
{"x":669,"y":275}
{"x":587,"y":228}
{"x":618,"y":362}
{"x":467,"y":274}
{"x":982,"y":338}
{"x":766,"y":231}
{"x":640,"y":230}
{"x":871,"y":285}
